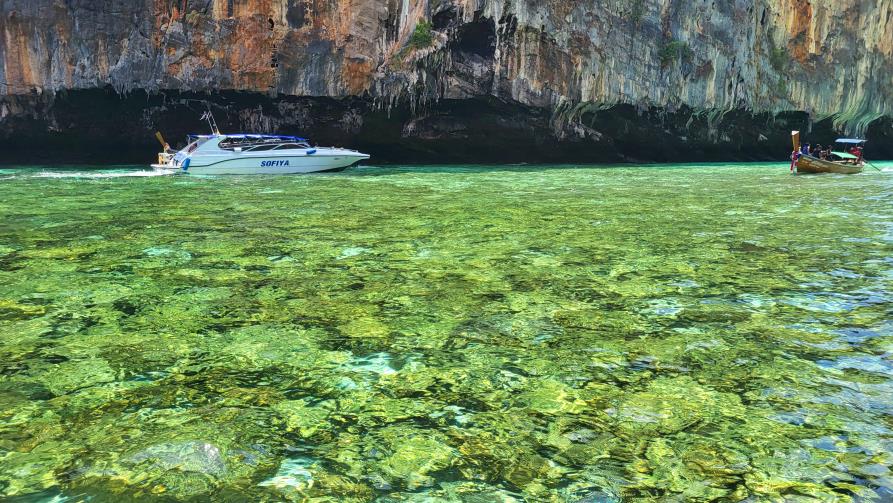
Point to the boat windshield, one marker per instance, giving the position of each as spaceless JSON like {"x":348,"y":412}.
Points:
{"x":259,"y":148}
{"x":289,"y":146}
{"x":190,"y":147}
{"x":257,"y":144}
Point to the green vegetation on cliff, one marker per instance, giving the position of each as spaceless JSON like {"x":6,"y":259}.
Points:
{"x":674,"y":50}
{"x":422,"y":36}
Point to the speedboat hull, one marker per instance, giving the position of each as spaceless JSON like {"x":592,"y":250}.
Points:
{"x":270,"y":165}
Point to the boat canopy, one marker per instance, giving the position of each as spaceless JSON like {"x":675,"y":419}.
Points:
{"x":850,"y":140}
{"x":844,"y":155}
{"x":251,"y":136}
{"x":265,"y":137}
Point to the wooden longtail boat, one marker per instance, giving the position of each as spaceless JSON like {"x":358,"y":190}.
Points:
{"x":839,"y":162}
{"x":809,"y":164}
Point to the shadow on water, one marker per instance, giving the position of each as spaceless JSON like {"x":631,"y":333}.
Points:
{"x":112,"y":171}
{"x":519,"y":168}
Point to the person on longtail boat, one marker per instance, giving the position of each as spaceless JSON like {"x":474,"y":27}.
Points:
{"x":817,"y":150}
{"x":854,"y":151}
{"x":804,"y":149}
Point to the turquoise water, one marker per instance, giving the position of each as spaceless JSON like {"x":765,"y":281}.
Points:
{"x":668,"y":333}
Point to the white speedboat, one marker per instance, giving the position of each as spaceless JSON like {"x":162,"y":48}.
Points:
{"x":252,"y":154}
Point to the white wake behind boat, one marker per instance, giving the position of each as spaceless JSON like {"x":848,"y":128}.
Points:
{"x":252,"y":154}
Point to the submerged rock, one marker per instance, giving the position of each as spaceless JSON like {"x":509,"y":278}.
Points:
{"x":73,"y":375}
{"x":416,"y":457}
{"x":191,"y":456}
{"x":10,"y":310}
{"x":303,"y":418}
{"x":551,"y":397}
{"x":670,"y":405}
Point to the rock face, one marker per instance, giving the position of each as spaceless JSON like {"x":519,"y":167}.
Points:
{"x":451,"y":79}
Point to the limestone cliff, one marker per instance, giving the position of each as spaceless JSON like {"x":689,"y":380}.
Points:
{"x":693,"y":77}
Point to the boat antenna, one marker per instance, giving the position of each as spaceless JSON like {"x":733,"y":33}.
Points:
{"x":211,"y":122}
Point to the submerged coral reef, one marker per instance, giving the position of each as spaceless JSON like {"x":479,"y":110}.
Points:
{"x":447,"y":334}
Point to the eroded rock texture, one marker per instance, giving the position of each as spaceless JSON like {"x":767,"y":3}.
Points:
{"x":420,"y":79}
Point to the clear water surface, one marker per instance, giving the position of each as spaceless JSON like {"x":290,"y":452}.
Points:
{"x":671,"y":333}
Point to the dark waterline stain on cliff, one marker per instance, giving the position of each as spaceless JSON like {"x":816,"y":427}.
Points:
{"x":94,"y":127}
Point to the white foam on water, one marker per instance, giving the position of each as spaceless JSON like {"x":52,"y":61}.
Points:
{"x":377,"y":363}
{"x":105,"y":174}
{"x":352,"y":252}
{"x":293,"y":473}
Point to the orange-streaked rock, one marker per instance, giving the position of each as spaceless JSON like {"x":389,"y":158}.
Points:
{"x":555,"y":54}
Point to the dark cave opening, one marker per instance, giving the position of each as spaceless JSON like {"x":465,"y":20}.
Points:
{"x":295,"y":14}
{"x":444,"y":19}
{"x":478,"y":37}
